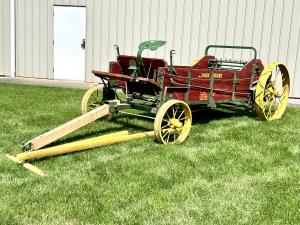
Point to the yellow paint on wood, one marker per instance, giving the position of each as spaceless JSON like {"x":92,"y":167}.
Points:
{"x":68,"y":127}
{"x":27,"y":166}
{"x":81,"y":145}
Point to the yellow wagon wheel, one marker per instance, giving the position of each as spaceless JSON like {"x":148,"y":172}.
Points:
{"x":272,"y":91}
{"x":91,"y":99}
{"x":173,"y":122}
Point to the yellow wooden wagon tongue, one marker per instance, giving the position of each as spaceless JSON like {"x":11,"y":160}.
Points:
{"x":35,"y":146}
{"x":86,"y":144}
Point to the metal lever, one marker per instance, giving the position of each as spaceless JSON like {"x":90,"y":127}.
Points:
{"x":171,"y":68}
{"x":82,"y":44}
{"x":118,"y":50}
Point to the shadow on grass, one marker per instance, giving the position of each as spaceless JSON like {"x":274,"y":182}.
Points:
{"x":124,"y":122}
{"x":206,"y":115}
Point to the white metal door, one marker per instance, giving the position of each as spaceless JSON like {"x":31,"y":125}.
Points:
{"x":69,"y":43}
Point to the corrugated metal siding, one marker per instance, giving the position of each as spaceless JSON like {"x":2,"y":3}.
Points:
{"x":70,"y":2}
{"x":34,"y":36}
{"x":33,"y":39}
{"x":271,"y":26}
{"x":5,"y":37}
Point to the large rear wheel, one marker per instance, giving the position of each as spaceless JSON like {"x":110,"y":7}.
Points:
{"x":272,"y":91}
{"x":91,"y":99}
{"x":173,"y":122}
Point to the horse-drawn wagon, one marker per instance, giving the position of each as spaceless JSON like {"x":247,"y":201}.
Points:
{"x":169,"y":93}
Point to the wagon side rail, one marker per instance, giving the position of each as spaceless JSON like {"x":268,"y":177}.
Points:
{"x":254,"y":67}
{"x":232,"y":47}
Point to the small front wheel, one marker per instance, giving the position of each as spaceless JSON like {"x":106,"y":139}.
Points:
{"x":173,"y":122}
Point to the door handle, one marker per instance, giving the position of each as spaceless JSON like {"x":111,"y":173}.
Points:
{"x":82,"y":44}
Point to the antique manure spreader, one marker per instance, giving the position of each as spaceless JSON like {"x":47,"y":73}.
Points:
{"x":167,"y":92}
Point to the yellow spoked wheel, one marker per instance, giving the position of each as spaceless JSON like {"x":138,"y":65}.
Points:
{"x":272,"y":91}
{"x":173,"y":122}
{"x":91,"y":99}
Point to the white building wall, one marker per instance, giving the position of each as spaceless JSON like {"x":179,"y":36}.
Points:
{"x":271,"y":26}
{"x":34,"y":36}
{"x":5,"y":38}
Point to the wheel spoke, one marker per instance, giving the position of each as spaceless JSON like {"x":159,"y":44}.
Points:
{"x":164,"y":126}
{"x":175,"y":112}
{"x":168,"y":138}
{"x":95,"y":96}
{"x":259,"y":94}
{"x":269,"y":109}
{"x":168,"y":115}
{"x":283,"y":90}
{"x":181,"y":114}
{"x":280,"y":103}
{"x":268,"y":114}
{"x":261,"y":85}
{"x":167,"y":132}
{"x":184,"y":118}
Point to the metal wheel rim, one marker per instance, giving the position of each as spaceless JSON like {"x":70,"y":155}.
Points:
{"x":272,"y":92}
{"x":173,"y":122}
{"x":91,"y":99}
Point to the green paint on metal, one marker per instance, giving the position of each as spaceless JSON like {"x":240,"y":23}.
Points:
{"x":211,"y":102}
{"x":172,"y":81}
{"x":255,"y":72}
{"x":232,"y":47}
{"x":235,"y":81}
{"x":254,"y":68}
{"x":133,"y":69}
{"x":171,"y":67}
{"x":161,"y":76}
{"x":118,"y":58}
{"x":151,"y":45}
{"x":188,"y":84}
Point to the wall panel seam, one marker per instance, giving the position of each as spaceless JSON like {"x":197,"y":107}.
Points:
{"x":271,"y":36}
{"x":290,"y":28}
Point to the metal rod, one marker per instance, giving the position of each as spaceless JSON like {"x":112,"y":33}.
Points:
{"x":138,"y":115}
{"x":232,"y":47}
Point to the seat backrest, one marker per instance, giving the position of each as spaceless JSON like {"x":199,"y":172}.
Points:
{"x":151,"y":64}
{"x":124,"y":63}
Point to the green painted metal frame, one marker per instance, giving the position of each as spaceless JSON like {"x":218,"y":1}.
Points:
{"x":254,"y":68}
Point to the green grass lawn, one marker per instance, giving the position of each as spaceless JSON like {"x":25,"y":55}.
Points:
{"x":233,"y":169}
